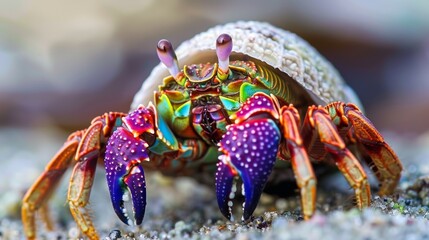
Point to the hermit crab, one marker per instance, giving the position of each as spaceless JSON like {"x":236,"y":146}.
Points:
{"x":234,"y":103}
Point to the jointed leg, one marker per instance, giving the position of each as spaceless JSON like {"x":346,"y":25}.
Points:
{"x":82,"y":179}
{"x":301,"y":165}
{"x":387,"y":165}
{"x":82,"y":148}
{"x":38,"y":195}
{"x":78,"y":195}
{"x":317,"y":119}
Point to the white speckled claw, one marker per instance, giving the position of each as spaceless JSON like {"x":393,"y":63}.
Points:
{"x":124,"y":153}
{"x":249,"y":151}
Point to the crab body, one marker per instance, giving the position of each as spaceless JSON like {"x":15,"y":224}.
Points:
{"x":202,"y":109}
{"x":233,"y":111}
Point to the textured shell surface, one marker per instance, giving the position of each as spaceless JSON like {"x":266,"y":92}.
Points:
{"x":279,"y":48}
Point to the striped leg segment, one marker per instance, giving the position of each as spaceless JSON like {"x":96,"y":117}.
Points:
{"x":303,"y":171}
{"x":81,"y":150}
{"x":386,"y":163}
{"x":82,"y":179}
{"x":319,"y":127}
{"x":37,"y":197}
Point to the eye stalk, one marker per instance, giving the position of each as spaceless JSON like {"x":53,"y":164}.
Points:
{"x":168,"y":57}
{"x":223,"y":50}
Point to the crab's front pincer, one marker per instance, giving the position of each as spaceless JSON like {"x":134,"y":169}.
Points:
{"x":249,"y":151}
{"x":125,"y":152}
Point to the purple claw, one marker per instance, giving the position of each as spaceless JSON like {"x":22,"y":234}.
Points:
{"x":250,"y":149}
{"x":124,"y":154}
{"x":136,"y":182}
{"x":140,"y":121}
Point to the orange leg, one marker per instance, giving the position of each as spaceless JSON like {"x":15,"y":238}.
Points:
{"x":303,"y":171}
{"x":82,"y":179}
{"x":38,"y":195}
{"x":386,"y":163}
{"x":81,"y":149}
{"x":318,"y":119}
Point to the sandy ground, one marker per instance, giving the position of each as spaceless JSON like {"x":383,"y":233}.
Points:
{"x":184,"y":209}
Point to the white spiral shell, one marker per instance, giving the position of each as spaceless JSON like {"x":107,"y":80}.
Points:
{"x":279,"y":48}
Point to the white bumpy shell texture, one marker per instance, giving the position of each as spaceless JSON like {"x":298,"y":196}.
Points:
{"x":278,"y":48}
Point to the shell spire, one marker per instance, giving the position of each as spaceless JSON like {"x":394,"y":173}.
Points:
{"x":223,"y":51}
{"x":168,"y":57}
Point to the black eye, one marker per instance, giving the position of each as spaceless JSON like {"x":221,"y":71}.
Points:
{"x":223,"y":39}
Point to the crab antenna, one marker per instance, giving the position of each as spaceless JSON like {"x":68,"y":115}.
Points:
{"x":168,"y":57}
{"x":223,"y":50}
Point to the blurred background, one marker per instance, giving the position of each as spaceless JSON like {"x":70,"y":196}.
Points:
{"x":61,"y":62}
{"x":64,"y":62}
